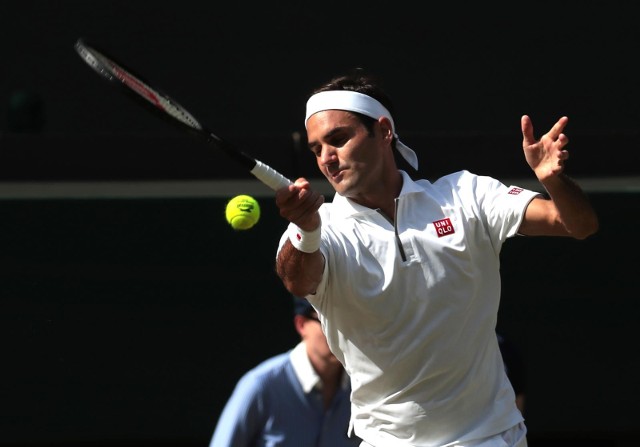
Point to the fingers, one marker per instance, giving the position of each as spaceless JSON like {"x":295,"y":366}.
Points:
{"x":558,"y":127}
{"x":527,"y":131}
{"x":562,"y":141}
{"x":299,"y":204}
{"x":287,"y":192}
{"x":304,"y":213}
{"x":555,"y":133}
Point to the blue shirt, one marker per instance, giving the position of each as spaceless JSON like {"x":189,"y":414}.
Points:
{"x":270,"y":408}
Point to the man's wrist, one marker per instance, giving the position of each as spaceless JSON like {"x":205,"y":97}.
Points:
{"x":305,"y":241}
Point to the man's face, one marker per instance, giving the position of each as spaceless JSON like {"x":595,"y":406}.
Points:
{"x":317,"y":346}
{"x":346,"y":153}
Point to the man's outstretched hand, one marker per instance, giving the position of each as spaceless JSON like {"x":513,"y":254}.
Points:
{"x":545,"y":156}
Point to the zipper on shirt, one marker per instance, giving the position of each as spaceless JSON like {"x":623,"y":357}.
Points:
{"x":396,"y":203}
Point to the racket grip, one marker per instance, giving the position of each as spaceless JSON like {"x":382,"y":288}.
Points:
{"x":269,"y":176}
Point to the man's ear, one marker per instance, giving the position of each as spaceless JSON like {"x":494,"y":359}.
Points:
{"x":385,"y":127}
{"x":298,"y":323}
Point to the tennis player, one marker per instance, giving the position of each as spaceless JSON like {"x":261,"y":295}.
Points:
{"x":405,"y":274}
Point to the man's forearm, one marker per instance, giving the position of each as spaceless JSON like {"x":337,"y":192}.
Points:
{"x":300,"y":272}
{"x":574,"y":208}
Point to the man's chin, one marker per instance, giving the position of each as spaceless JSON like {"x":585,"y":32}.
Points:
{"x":341,"y":183}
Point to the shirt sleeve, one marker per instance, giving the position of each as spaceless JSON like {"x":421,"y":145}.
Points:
{"x":503,"y":206}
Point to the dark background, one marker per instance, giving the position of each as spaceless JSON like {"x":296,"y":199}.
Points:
{"x":128,"y":315}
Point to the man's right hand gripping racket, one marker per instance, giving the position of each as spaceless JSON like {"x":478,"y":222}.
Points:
{"x":162,"y":104}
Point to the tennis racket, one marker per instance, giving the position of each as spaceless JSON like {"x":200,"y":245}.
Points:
{"x":160,"y":103}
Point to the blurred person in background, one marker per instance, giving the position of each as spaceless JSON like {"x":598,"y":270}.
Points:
{"x":298,"y":398}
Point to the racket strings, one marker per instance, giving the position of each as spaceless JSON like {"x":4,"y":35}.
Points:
{"x":107,"y":68}
{"x":159,"y":100}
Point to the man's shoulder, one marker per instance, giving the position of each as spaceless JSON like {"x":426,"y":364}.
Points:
{"x":444,"y":184}
{"x":465,"y":180}
{"x":268,"y":368}
{"x":268,"y":377}
{"x":456,"y":177}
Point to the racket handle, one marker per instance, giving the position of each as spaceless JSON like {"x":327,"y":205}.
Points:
{"x":269,"y":176}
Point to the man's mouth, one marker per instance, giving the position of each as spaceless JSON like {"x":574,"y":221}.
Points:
{"x":334,"y":173}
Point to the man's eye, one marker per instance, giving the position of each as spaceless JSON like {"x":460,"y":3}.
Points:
{"x":339,"y":142}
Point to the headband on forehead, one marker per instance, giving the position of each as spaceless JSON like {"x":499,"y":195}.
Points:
{"x":360,"y":103}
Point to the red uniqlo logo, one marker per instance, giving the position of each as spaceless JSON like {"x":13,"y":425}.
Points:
{"x":515,"y":191}
{"x":443,"y":227}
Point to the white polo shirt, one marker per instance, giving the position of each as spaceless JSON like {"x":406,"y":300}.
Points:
{"x":410,"y":310}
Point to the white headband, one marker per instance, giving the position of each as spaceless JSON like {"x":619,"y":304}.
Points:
{"x":360,"y":103}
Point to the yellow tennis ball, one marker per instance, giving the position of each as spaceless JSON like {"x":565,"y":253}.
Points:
{"x":242,"y":212}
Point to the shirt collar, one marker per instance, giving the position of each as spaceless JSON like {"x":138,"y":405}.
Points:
{"x":347,"y":207}
{"x":307,"y":376}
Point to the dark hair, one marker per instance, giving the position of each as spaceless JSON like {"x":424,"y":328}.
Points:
{"x":359,"y":81}
{"x":302,"y":307}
